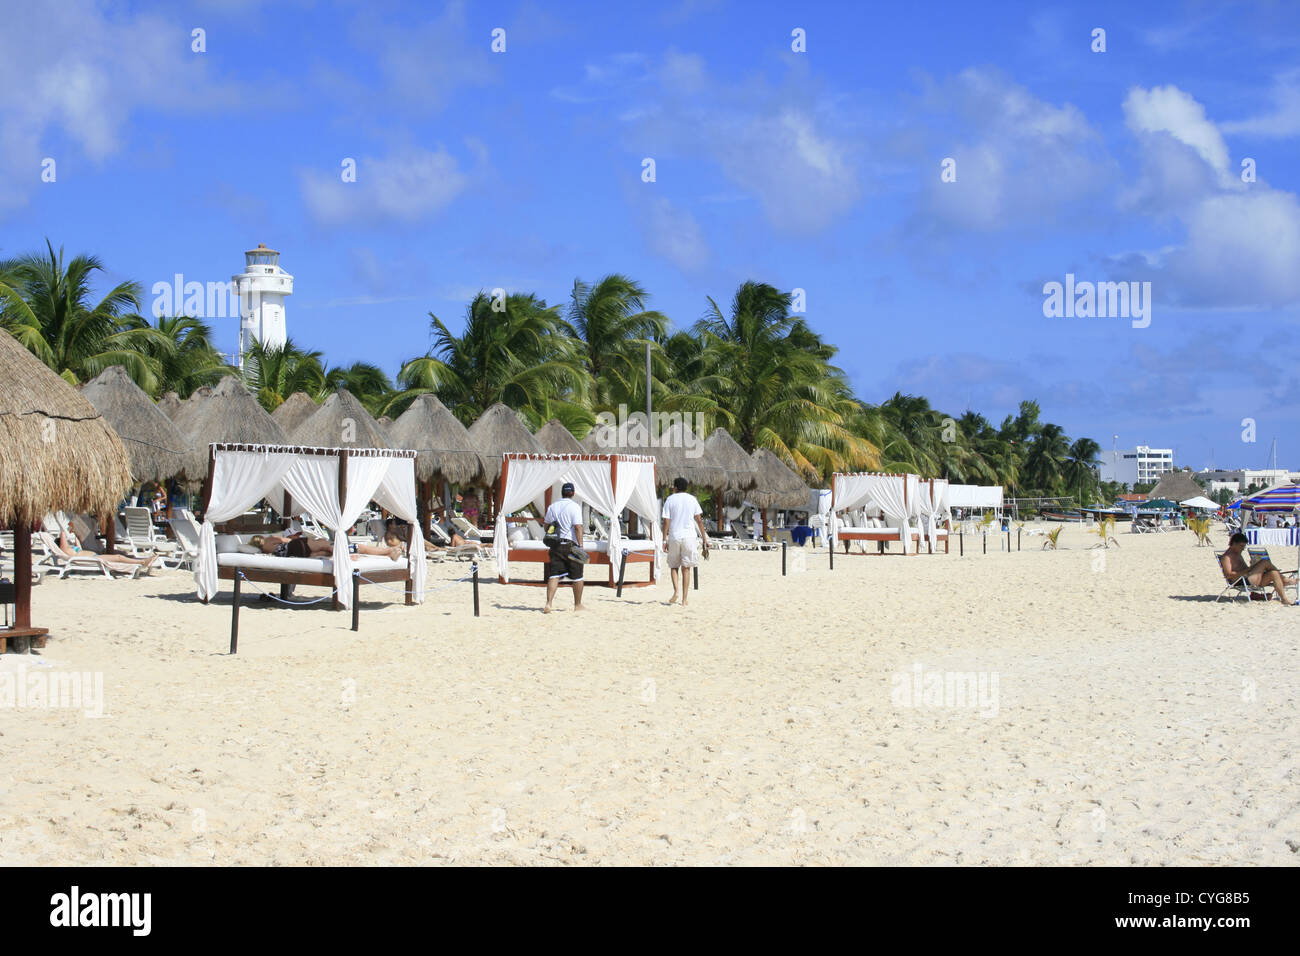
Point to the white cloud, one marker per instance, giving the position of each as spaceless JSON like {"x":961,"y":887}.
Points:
{"x":406,"y":186}
{"x":1018,"y":159}
{"x":673,"y":233}
{"x":1283,"y":120}
{"x":1241,"y":241}
{"x":73,"y":71}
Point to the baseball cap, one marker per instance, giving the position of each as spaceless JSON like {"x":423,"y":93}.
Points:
{"x":566,"y":488}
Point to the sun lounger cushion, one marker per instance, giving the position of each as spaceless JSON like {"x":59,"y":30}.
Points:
{"x":587,"y":545}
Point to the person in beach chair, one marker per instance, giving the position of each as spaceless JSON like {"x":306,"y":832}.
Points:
{"x":297,"y":545}
{"x":71,"y":547}
{"x":1237,"y":569}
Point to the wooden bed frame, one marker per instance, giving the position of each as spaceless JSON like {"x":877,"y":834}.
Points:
{"x":285,"y":578}
{"x":540,"y":556}
{"x":883,"y":536}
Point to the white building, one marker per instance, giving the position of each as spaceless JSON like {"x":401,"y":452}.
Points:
{"x":261,"y":288}
{"x":1136,"y":466}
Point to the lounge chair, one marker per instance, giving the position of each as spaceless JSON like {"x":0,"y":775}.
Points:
{"x":467,"y":530}
{"x":1239,"y":586}
{"x":141,"y":539}
{"x":85,"y":562}
{"x":462,"y":552}
{"x":187,"y":536}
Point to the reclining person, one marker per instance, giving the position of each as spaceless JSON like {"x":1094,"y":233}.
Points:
{"x":1258,"y":574}
{"x":298,"y":545}
{"x":70,"y":547}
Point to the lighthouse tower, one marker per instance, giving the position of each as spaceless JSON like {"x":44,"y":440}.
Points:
{"x":261,"y":289}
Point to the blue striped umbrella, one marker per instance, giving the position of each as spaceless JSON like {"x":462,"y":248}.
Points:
{"x":1281,"y":498}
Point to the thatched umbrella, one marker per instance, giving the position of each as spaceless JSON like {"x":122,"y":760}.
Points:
{"x":678,"y":452}
{"x":442,"y":444}
{"x":156,"y":447}
{"x":558,"y":440}
{"x":722,"y":449}
{"x":186,"y":411}
{"x":500,"y":431}
{"x":293,"y":411}
{"x":1176,"y":486}
{"x":169,"y":405}
{"x":226,"y":413}
{"x":777,"y":485}
{"x":56,"y":453}
{"x":341,"y":422}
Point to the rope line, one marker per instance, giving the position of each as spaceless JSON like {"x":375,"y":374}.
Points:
{"x":276,"y":597}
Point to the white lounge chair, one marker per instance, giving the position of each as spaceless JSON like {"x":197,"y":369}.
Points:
{"x":463,"y":552}
{"x":141,"y":539}
{"x":187,"y":536}
{"x":85,"y":562}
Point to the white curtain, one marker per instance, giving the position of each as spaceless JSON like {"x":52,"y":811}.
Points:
{"x":240,"y":479}
{"x":893,"y":495}
{"x":636,"y":479}
{"x":526,"y":479}
{"x":396,"y":493}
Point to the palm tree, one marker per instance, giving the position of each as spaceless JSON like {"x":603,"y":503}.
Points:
{"x":47,"y":306}
{"x":913,"y":435}
{"x":613,"y":328}
{"x":769,"y":379}
{"x":520,"y":355}
{"x":365,"y":381}
{"x":184,"y":352}
{"x":273,"y":374}
{"x":1046,"y":460}
{"x":1081,"y":466}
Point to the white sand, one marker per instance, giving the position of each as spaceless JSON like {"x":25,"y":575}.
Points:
{"x":1137,"y":722}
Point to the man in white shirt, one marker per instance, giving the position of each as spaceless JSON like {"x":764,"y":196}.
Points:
{"x":681,"y":522}
{"x":562,"y":567}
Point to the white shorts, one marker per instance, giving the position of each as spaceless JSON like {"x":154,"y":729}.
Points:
{"x":683,"y":552}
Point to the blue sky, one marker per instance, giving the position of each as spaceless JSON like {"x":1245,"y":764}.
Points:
{"x":817,"y":170}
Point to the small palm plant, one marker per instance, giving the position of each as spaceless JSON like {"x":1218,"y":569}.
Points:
{"x":1106,"y":531}
{"x":986,"y":522}
{"x":1201,"y":528}
{"x":1050,"y":543}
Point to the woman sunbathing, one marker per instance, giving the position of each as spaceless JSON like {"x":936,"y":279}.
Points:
{"x":297,"y":545}
{"x":70,"y":547}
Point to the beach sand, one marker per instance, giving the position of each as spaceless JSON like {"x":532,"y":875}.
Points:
{"x":1126,"y":719}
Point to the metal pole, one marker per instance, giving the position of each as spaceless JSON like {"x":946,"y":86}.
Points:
{"x":647,"y":385}
{"x":475,"y":570}
{"x":234,"y":617}
{"x":782,"y":559}
{"x":622,"y":567}
{"x":356,"y":600}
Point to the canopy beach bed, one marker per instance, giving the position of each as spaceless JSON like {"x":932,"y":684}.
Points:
{"x":333,"y":485}
{"x":609,"y":484}
{"x":896,"y":501}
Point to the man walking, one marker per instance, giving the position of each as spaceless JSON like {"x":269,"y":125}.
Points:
{"x":681,"y":522}
{"x":562,"y":567}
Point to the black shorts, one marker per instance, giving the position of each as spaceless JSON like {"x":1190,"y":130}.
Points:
{"x":562,"y":564}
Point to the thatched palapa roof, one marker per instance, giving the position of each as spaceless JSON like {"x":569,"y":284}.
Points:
{"x":169,"y":405}
{"x":441,"y":443}
{"x":558,"y":440}
{"x":341,"y":422}
{"x":56,"y":450}
{"x":777,"y":485}
{"x":678,"y":452}
{"x":1176,"y":486}
{"x":155,"y":446}
{"x":500,"y":431}
{"x":293,"y":411}
{"x":228,"y":413}
{"x":722,"y":449}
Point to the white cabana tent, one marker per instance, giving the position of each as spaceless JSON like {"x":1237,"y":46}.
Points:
{"x":609,"y":484}
{"x":894,"y":496}
{"x":974,"y":496}
{"x":333,"y":485}
{"x":1201,"y":503}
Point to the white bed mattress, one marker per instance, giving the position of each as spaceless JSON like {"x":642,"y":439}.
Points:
{"x":601,"y":546}
{"x":369,"y":562}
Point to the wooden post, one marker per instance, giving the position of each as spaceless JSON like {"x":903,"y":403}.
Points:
{"x":622,"y":569}
{"x":207,"y":482}
{"x":234,"y":617}
{"x":476,"y":589}
{"x":22,"y":576}
{"x":695,"y":575}
{"x":782,"y":559}
{"x":961,"y":541}
{"x":110,"y":531}
{"x":356,"y":600}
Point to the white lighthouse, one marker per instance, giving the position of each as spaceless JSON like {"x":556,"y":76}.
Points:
{"x":261,"y":289}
